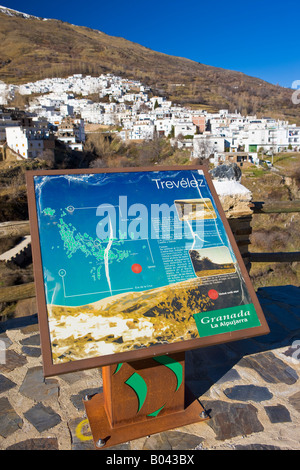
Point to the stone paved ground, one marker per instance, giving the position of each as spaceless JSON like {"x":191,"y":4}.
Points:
{"x":250,"y":389}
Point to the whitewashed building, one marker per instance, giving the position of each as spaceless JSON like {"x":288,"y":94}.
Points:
{"x":163,"y":127}
{"x":29,"y":142}
{"x":6,"y":121}
{"x":206,"y":145}
{"x":184,"y":128}
{"x":294,"y":137}
{"x":71,"y":132}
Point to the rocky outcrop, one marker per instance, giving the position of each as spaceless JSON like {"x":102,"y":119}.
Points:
{"x":293,"y":185}
{"x":229,"y":171}
{"x":234,"y":197}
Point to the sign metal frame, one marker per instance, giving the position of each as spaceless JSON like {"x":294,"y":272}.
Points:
{"x":49,"y":367}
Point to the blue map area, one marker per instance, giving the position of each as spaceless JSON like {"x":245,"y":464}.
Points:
{"x":104,"y":234}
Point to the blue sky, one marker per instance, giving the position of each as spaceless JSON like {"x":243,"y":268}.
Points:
{"x":259,"y":37}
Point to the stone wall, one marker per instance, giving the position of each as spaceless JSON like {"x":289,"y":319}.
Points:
{"x":235,"y":200}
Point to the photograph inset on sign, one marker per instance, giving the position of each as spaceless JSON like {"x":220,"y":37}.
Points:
{"x":127,"y":321}
{"x":195,"y":209}
{"x":212,"y":261}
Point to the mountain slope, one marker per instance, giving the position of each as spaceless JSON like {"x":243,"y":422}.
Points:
{"x":33,"y":48}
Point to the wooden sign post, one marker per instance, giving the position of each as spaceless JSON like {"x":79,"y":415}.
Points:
{"x":133,"y":267}
{"x":141,"y":398}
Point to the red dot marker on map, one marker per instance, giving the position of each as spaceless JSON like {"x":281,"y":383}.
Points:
{"x":213,"y":294}
{"x":136,"y":268}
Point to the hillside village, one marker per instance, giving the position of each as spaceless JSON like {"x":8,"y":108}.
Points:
{"x":63,"y":108}
{"x":250,"y":388}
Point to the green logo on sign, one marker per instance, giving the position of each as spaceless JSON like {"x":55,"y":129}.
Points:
{"x":226,"y":320}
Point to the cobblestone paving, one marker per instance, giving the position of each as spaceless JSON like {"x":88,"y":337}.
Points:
{"x":249,"y":388}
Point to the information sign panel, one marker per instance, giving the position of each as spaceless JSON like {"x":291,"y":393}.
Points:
{"x":134,"y":263}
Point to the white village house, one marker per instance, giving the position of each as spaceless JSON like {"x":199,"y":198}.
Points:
{"x":71,"y":132}
{"x":29,"y":142}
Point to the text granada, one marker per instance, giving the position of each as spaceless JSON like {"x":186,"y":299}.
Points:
{"x":230,"y":319}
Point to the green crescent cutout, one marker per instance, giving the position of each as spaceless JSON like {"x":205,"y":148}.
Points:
{"x":138,"y":384}
{"x":173,"y":365}
{"x":118,"y":368}
{"x":155,"y":413}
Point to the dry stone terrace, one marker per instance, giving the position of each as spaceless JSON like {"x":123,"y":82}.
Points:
{"x":249,"y":388}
